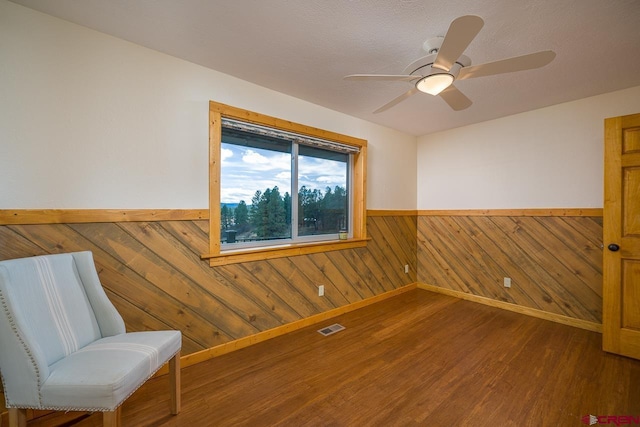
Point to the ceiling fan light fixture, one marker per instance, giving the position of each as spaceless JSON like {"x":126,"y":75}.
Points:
{"x":434,"y":83}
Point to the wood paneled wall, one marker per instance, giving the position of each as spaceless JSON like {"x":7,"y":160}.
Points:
{"x":153,"y":274}
{"x":554,"y":262}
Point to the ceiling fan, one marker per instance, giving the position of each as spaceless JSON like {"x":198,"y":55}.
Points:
{"x":445,"y":63}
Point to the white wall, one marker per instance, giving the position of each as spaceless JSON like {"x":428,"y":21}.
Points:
{"x":89,"y":121}
{"x":547,"y":158}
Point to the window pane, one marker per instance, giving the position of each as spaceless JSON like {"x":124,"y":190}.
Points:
{"x":322,"y":191}
{"x":255,"y":182}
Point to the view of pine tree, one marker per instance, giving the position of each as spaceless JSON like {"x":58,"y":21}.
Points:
{"x":320,"y":213}
{"x":256,"y":216}
{"x":309,"y":206}
{"x":334,"y":208}
{"x":287,"y":208}
{"x":269,"y":215}
{"x":241,"y":217}
{"x":226,"y":217}
{"x":276,"y":225}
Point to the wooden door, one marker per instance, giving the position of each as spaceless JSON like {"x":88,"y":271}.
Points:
{"x":621,"y":288}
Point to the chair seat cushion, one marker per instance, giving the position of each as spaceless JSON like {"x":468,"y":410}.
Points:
{"x":103,"y":374}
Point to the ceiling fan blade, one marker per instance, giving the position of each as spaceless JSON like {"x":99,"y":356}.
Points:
{"x":509,"y":65}
{"x":460,"y":33}
{"x":397,"y":100}
{"x":379,"y":77}
{"x":456,"y":99}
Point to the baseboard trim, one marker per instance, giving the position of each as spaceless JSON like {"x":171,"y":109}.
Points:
{"x":219,"y":350}
{"x":533,"y":312}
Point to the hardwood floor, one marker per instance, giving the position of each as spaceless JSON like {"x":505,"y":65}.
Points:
{"x":417,"y":359}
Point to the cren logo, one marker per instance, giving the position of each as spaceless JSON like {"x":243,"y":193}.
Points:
{"x":617,"y":420}
{"x":589,"y":420}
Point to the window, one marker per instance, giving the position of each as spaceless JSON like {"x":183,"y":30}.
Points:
{"x":280,"y":189}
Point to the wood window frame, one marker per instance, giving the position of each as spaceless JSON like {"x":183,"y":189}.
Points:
{"x":216,"y":255}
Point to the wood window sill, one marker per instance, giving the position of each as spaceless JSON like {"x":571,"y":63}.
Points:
{"x":281,"y":251}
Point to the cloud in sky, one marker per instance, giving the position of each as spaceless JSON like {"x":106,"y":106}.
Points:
{"x":246,"y":170}
{"x":250,"y":157}
{"x":225,"y":153}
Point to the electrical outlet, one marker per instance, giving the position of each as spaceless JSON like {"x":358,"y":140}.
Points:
{"x":406,"y":268}
{"x":321,"y":290}
{"x":507,"y":282}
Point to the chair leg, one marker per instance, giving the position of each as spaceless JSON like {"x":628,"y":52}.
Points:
{"x":174,"y":383}
{"x":17,"y":417}
{"x":112,"y":418}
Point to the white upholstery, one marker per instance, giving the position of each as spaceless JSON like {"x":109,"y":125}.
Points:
{"x":116,"y":366}
{"x":63,"y":344}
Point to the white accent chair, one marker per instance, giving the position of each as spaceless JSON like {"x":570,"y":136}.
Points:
{"x":63,"y":345}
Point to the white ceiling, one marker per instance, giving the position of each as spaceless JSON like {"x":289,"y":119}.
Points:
{"x":304,"y":48}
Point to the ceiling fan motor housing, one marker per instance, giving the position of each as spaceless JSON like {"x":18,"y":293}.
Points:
{"x":423,"y":67}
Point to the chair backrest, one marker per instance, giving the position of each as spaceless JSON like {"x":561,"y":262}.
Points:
{"x":50,"y":306}
{"x":50,"y":301}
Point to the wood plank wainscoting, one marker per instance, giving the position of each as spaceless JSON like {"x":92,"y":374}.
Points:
{"x":553,"y":257}
{"x":149,"y":263}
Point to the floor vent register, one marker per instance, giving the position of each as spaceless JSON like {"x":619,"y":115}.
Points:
{"x":330,"y":330}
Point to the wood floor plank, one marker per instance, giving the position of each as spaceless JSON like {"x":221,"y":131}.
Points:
{"x":416,"y":359}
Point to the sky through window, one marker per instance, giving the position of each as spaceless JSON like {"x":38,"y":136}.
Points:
{"x":246,"y":170}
